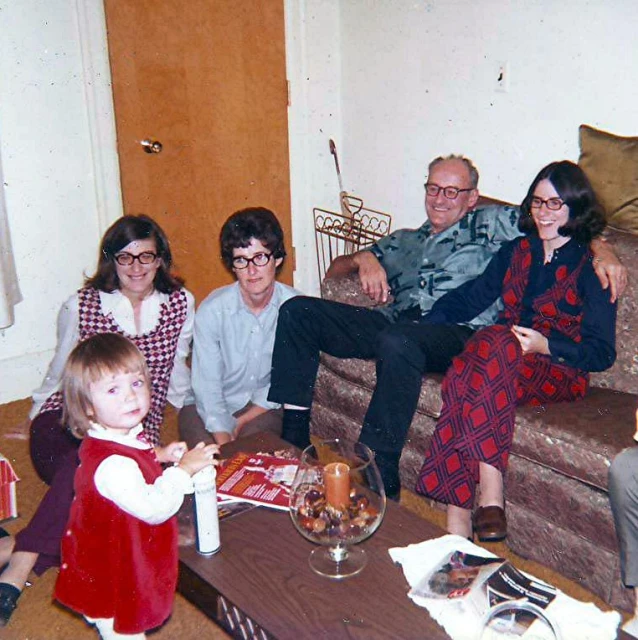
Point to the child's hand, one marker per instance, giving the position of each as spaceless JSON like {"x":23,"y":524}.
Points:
{"x":198,"y":457}
{"x":172,"y":452}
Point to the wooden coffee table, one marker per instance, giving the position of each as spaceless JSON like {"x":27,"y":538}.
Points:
{"x":260,"y":584}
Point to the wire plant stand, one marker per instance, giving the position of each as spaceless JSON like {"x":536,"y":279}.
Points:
{"x":344,"y":233}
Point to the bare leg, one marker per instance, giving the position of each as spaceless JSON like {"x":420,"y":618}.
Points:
{"x":459,"y":521}
{"x":491,"y":480}
{"x":6,"y":549}
{"x":20,"y":566}
{"x":12,"y":582}
{"x":490,"y":524}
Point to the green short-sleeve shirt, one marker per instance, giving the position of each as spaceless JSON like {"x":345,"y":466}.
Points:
{"x":422,"y":266}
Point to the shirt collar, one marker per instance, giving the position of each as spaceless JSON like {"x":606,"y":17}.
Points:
{"x":426,"y":227}
{"x":238,"y":305}
{"x":113,"y":300}
{"x":131,"y":439}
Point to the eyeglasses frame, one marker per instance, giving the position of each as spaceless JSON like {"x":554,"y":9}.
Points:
{"x":249,"y":260}
{"x":542,"y":202}
{"x":444,"y":189}
{"x":134,"y":257}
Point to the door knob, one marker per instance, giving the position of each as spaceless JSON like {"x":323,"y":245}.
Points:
{"x":151,"y":146}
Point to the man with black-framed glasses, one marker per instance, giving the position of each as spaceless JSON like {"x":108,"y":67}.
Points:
{"x":234,"y":335}
{"x":409,"y":270}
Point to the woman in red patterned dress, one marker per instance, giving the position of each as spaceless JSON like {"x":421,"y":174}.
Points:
{"x":133,"y":292}
{"x":556,"y":325}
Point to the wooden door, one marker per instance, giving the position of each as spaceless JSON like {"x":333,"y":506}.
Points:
{"x":207,"y":79}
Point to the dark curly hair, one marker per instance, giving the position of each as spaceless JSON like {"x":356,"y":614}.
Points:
{"x":586,"y":215}
{"x":244,"y":225}
{"x":122,"y":232}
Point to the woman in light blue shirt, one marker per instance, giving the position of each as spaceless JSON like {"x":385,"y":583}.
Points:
{"x":235,"y":333}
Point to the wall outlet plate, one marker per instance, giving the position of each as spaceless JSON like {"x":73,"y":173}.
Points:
{"x":502,"y":77}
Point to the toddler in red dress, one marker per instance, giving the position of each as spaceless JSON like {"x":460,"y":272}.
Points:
{"x":119,"y":553}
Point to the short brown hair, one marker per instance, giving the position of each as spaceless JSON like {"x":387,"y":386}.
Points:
{"x":89,"y":361}
{"x":244,"y":225}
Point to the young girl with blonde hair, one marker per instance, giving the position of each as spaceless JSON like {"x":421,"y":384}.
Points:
{"x":119,"y":553}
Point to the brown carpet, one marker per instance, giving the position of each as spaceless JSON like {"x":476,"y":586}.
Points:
{"x":39,"y":618}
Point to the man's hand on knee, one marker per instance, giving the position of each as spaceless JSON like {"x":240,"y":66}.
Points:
{"x":373,"y":278}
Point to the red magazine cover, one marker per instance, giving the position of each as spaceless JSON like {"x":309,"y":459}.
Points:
{"x":258,"y":478}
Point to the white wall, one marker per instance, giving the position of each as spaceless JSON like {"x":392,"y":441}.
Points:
{"x":54,"y":197}
{"x":418,"y":80}
{"x":314,"y":72}
{"x":393,"y":82}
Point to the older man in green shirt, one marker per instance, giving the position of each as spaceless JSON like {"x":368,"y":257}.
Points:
{"x":417,"y":267}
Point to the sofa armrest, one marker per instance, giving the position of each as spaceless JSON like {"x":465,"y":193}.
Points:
{"x":346,"y":289}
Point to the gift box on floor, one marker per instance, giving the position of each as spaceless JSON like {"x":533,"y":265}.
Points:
{"x":8,"y":479}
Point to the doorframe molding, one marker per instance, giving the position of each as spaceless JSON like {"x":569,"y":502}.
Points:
{"x":298,"y":144}
{"x":98,"y":93}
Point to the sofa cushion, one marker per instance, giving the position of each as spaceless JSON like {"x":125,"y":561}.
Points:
{"x":576,"y":439}
{"x":623,"y":375}
{"x":610,"y":163}
{"x":362,"y":373}
{"x":346,"y":289}
{"x":574,"y":505}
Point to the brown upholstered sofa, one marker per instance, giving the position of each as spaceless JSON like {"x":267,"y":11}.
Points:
{"x":556,"y":487}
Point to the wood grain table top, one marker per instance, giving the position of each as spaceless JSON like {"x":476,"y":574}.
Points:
{"x":262,"y":569}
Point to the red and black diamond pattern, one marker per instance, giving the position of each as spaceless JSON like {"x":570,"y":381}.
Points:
{"x":490,"y":378}
{"x":548,"y":314}
{"x":480,"y":393}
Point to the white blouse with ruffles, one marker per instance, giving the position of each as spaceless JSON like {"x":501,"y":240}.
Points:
{"x":120,"y":308}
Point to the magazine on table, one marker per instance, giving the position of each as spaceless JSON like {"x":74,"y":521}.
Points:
{"x":507,"y":583}
{"x":262,"y":479}
{"x":455,"y":576}
{"x":480,"y":583}
{"x":229,"y":508}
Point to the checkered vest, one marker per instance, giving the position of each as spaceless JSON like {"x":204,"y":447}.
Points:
{"x":158,"y":347}
{"x":548,"y":315}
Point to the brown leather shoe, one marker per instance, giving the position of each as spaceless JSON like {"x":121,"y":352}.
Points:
{"x":490,"y":524}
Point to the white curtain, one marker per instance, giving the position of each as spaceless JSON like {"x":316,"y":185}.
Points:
{"x":9,"y":289}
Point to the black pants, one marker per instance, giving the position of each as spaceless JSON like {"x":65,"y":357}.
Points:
{"x":404,"y":351}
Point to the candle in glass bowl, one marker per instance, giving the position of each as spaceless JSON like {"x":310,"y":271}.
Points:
{"x":636,"y":434}
{"x":336,"y":478}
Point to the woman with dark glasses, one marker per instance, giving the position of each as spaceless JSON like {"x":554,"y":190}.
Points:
{"x":133,"y":292}
{"x":556,"y":325}
{"x":235,"y":333}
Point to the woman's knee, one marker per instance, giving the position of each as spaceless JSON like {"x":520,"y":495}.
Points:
{"x":191,"y":427}
{"x":495,"y":336}
{"x":49,"y":444}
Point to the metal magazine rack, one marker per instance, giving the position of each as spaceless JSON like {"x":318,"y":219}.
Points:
{"x":354,"y":228}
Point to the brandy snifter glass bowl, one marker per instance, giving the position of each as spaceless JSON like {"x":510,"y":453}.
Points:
{"x":337,"y":500}
{"x":512,"y":619}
